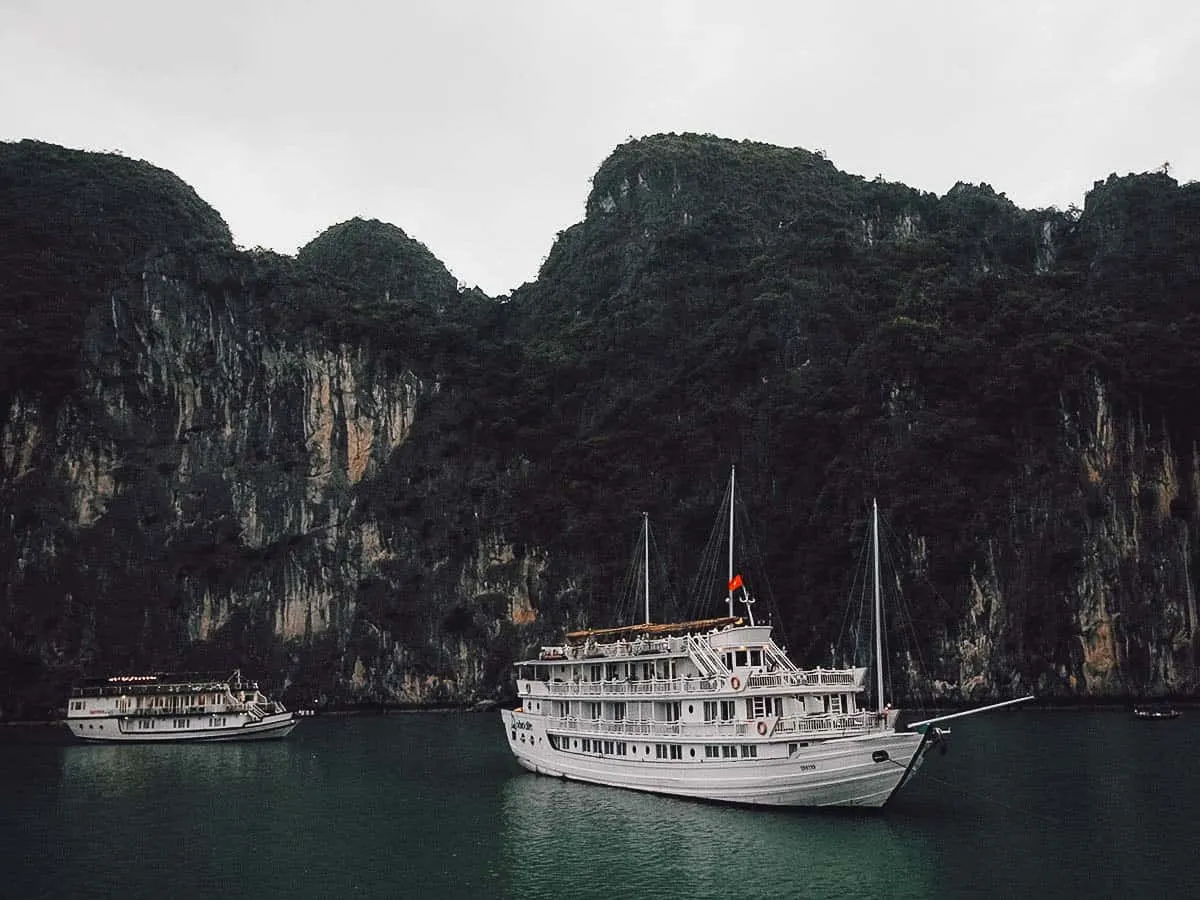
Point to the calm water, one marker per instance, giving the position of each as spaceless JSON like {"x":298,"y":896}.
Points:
{"x":1043,"y":804}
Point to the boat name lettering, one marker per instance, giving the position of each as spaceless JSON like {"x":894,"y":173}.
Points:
{"x":523,"y":726}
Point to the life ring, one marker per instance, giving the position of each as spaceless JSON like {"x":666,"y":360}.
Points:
{"x":762,"y":727}
{"x":735,"y":683}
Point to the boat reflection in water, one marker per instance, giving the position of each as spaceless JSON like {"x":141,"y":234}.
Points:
{"x":687,"y":847}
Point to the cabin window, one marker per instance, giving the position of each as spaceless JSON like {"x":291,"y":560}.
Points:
{"x":761,"y":707}
{"x":728,"y":751}
{"x":712,"y":751}
{"x":727,"y":658}
{"x":618,"y":712}
{"x":609,"y":748}
{"x":595,"y":670}
{"x":739,"y":658}
{"x":728,"y":710}
{"x":710,"y":710}
{"x":756,"y":657}
{"x":676,"y":751}
{"x":670,"y":711}
{"x":622,"y":748}
{"x":592,"y":710}
{"x":660,"y":751}
{"x":647,"y":671}
{"x":749,"y":751}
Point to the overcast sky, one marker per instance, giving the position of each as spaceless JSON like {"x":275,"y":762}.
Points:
{"x":475,"y":125}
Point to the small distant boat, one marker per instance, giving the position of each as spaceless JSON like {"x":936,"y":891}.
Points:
{"x":1155,"y":712}
{"x":175,"y":708}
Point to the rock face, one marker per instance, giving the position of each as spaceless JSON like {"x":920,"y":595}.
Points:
{"x":344,"y":473}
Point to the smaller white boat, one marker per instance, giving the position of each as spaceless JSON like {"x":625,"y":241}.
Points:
{"x":1155,"y":712}
{"x":175,"y":708}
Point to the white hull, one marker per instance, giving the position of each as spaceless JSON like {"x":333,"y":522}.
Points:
{"x":863,"y":771}
{"x":124,"y":729}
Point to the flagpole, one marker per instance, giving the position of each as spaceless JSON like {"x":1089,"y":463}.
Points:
{"x":732,"y":472}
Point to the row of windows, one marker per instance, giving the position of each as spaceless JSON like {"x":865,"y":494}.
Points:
{"x":729,"y":751}
{"x":661,"y":751}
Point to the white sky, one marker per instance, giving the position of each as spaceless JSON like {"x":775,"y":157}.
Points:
{"x":476,"y":125}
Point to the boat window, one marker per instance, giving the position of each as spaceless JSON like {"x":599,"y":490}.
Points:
{"x":749,"y":751}
{"x":618,"y":712}
{"x":756,"y":657}
{"x":728,"y":710}
{"x":740,"y":658}
{"x":710,"y":710}
{"x":712,"y":751}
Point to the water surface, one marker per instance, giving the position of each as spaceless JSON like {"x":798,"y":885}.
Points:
{"x":1029,"y":802}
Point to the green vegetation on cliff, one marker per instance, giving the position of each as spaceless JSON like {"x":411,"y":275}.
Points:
{"x":722,"y":302}
{"x":70,"y":223}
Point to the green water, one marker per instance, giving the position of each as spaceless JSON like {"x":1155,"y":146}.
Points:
{"x":1043,"y":804}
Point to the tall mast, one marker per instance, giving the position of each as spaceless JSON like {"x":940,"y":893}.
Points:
{"x":878,"y":608}
{"x":732,"y":473}
{"x":646,"y":560}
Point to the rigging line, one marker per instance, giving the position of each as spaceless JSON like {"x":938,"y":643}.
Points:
{"x":758,"y":561}
{"x":925,"y":776}
{"x":665,"y":594}
{"x":902,"y":605}
{"x":709,"y":562}
{"x":627,"y":598}
{"x":852,"y":624}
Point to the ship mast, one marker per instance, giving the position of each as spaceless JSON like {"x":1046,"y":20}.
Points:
{"x":732,"y":473}
{"x":646,"y":560}
{"x":878,"y":608}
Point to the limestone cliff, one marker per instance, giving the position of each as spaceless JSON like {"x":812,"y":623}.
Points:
{"x":367,"y":485}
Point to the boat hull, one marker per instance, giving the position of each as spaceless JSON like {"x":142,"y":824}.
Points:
{"x":864,"y":771}
{"x":120,"y":729}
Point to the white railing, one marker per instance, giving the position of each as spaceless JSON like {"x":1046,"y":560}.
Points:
{"x":806,"y":678}
{"x":620,"y":688}
{"x":829,"y":725}
{"x":706,"y":656}
{"x":610,"y":728}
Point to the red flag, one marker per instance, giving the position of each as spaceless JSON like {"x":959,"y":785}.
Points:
{"x":735,"y":582}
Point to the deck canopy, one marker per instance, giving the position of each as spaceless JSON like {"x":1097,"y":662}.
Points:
{"x":604,"y":635}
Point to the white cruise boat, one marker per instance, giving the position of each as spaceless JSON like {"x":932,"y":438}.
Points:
{"x":175,"y":708}
{"x":712,"y":710}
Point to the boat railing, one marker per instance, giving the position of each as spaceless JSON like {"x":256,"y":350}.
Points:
{"x":706,"y":656}
{"x":622,"y":649}
{"x":828,"y":724}
{"x":625,"y":688}
{"x":849,"y":678}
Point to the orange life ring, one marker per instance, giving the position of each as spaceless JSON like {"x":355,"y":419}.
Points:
{"x":735,"y":683}
{"x":762,"y":727}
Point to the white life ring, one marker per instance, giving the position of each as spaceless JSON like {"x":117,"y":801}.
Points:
{"x":762,"y":727}
{"x":735,"y":683}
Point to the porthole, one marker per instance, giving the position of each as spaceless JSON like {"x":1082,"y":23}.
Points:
{"x":692,"y":752}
